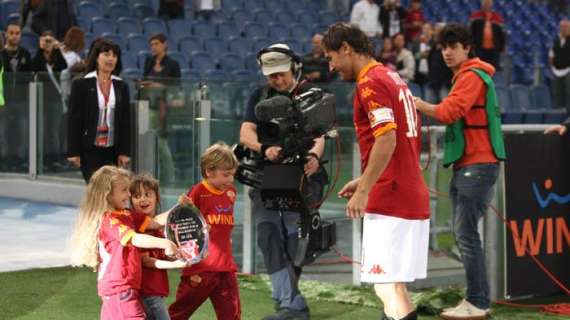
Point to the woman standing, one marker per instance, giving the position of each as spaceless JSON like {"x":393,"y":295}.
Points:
{"x":99,"y":117}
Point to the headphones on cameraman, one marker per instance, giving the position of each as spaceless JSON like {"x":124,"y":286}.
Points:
{"x":296,"y":61}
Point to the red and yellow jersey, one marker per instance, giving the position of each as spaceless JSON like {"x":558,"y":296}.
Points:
{"x":217,"y":207}
{"x":154,"y":281}
{"x":383,"y":102}
{"x":120,"y":267}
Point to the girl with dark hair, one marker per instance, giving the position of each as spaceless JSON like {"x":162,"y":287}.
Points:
{"x":99,"y":113}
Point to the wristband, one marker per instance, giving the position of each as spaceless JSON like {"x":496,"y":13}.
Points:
{"x":264,"y":148}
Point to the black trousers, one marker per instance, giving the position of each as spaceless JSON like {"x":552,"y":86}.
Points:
{"x":95,"y":158}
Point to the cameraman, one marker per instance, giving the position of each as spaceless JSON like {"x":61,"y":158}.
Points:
{"x":281,"y":67}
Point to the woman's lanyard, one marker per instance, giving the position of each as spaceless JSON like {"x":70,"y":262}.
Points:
{"x":102,"y":138}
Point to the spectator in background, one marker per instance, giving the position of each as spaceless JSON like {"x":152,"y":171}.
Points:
{"x":99,"y":123}
{"x":171,"y":9}
{"x":392,"y":17}
{"x":48,"y":15}
{"x":387,"y":55}
{"x":421,"y":49}
{"x":315,"y":65}
{"x":15,"y":58}
{"x":48,"y":57}
{"x":365,"y":15}
{"x":405,"y":63}
{"x":488,"y":34}
{"x":13,"y":116}
{"x":414,"y":21}
{"x":439,"y":75}
{"x":560,"y":64}
{"x":163,"y":73}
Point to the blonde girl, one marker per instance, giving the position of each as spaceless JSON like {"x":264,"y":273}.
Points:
{"x":107,"y":238}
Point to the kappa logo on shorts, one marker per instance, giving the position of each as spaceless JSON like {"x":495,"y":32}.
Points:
{"x":376,"y":269}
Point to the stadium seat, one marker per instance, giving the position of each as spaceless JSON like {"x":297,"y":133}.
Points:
{"x":230,"y":62}
{"x":129,"y":60}
{"x":554,"y":116}
{"x":215,"y":46}
{"x":142,"y":11}
{"x":285,"y":17}
{"x":327,"y":17}
{"x":190,"y":75}
{"x":239,"y":45}
{"x":228,"y":29}
{"x":180,"y":58}
{"x":203,"y":29}
{"x":276,"y":5}
{"x":243,"y":75}
{"x":13,"y":18}
{"x":300,"y":31}
{"x":131,"y":73}
{"x":136,"y":42}
{"x":142,"y":56}
{"x":202,"y":61}
{"x":306,"y":17}
{"x":509,"y":114}
{"x":29,"y":40}
{"x":416,"y":89}
{"x":116,"y":10}
{"x":541,"y":97}
{"x":153,"y":26}
{"x":521,"y":97}
{"x":278,"y":31}
{"x":187,"y":45}
{"x":128,"y":25}
{"x":240,"y":16}
{"x":260,"y":43}
{"x":100,"y":25}
{"x":114,"y":37}
{"x":250,"y":61}
{"x":89,"y":10}
{"x":252,"y":5}
{"x":83,"y":23}
{"x":254,"y":29}
{"x":263,"y":17}
{"x":214,"y":75}
{"x":230,"y":5}
{"x":294,"y":44}
{"x":7,"y":8}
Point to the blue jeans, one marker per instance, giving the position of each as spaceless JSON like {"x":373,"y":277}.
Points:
{"x":471,"y":191}
{"x":155,"y":308}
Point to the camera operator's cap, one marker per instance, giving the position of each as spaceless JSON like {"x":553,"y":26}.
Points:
{"x":274,"y":62}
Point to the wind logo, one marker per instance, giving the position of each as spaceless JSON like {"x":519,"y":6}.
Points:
{"x":550,"y":197}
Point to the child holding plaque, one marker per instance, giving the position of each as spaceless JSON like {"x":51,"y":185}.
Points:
{"x":145,"y":198}
{"x":215,"y":276}
{"x":106,"y":237}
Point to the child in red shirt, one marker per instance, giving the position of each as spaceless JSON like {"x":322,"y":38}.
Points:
{"x":105,"y":238}
{"x":145,"y":197}
{"x":215,"y":276}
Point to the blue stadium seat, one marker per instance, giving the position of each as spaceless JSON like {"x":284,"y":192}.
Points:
{"x":215,"y":46}
{"x":153,"y":26}
{"x":327,"y":17}
{"x":230,"y":62}
{"x":239,"y":45}
{"x":136,"y":42}
{"x":89,"y":37}
{"x":180,"y":58}
{"x":178,"y":29}
{"x":83,"y":23}
{"x":260,"y":43}
{"x":228,"y":29}
{"x":554,"y":116}
{"x":294,"y":44}
{"x":276,"y":5}
{"x":416,"y":89}
{"x":142,"y":56}
{"x":509,"y":114}
{"x":214,"y":75}
{"x":100,"y":25}
{"x":187,"y":45}
{"x":254,"y":29}
{"x":541,"y":97}
{"x":89,"y":10}
{"x":114,"y":37}
{"x":202,"y":61}
{"x":263,"y":16}
{"x":521,"y":97}
{"x":129,"y":60}
{"x":300,"y":31}
{"x":142,"y":11}
{"x":278,"y":31}
{"x":251,"y":62}
{"x":12,"y":18}
{"x":115,"y":10}
{"x":243,"y":75}
{"x":285,"y":17}
{"x":7,"y":8}
{"x":203,"y":29}
{"x":241,"y":16}
{"x":251,"y":5}
{"x":131,"y":73}
{"x":128,"y":25}
{"x":306,"y":17}
{"x":230,"y":5}
{"x":29,"y":40}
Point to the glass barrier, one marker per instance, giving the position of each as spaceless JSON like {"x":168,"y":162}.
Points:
{"x":14,"y":119}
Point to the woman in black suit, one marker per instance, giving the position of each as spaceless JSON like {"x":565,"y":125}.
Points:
{"x":99,"y":113}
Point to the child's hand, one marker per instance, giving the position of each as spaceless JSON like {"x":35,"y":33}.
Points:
{"x":171,"y":250}
{"x":184,"y":199}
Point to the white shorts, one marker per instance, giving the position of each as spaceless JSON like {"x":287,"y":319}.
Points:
{"x":394,"y":249}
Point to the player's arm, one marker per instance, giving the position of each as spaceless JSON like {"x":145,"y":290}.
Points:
{"x":149,"y":262}
{"x":380,"y":155}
